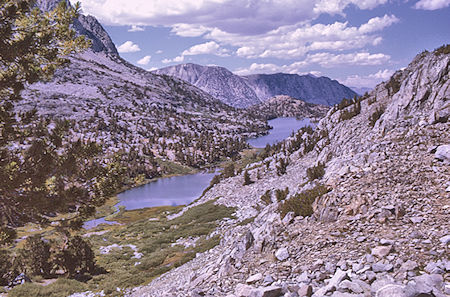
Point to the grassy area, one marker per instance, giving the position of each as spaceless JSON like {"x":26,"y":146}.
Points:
{"x":62,"y":287}
{"x":158,"y":241}
{"x":153,"y":235}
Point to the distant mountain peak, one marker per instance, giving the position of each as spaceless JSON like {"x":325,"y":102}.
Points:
{"x":244,"y":91}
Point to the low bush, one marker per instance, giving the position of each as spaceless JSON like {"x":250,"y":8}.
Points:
{"x":315,"y":172}
{"x":301,"y":203}
{"x":373,"y":118}
{"x":281,"y":194}
{"x":350,"y":112}
{"x":247,"y":180}
{"x":282,"y":166}
{"x":267,"y":197}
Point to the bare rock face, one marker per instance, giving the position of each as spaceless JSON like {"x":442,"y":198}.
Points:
{"x":244,"y":91}
{"x":88,"y":26}
{"x":318,"y":90}
{"x":217,"y":81}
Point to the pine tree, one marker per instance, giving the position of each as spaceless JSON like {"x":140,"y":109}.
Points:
{"x":247,"y":179}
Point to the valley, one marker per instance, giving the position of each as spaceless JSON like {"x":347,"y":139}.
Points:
{"x":194,"y":181}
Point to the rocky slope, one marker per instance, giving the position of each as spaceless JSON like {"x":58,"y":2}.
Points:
{"x":285,"y":106}
{"x":318,"y":90}
{"x":217,"y":81}
{"x":381,"y":230}
{"x":130,"y":110}
{"x":244,"y":91}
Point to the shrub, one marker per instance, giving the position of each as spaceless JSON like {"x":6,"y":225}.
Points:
{"x":36,"y":256}
{"x":5,"y":265}
{"x":267,"y":197}
{"x":375,"y":116}
{"x":281,"y":167}
{"x":315,"y":172}
{"x":281,"y":194}
{"x":443,"y":50}
{"x":229,"y":171}
{"x":247,"y":180}
{"x":77,"y":257}
{"x":301,"y":203}
{"x":393,"y":85}
{"x":350,"y":112}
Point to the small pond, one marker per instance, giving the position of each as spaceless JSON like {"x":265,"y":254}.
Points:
{"x":282,"y":129}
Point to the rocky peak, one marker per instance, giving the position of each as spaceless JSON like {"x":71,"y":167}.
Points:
{"x":88,"y":26}
{"x":217,"y":81}
{"x":318,"y":90}
{"x":244,"y":91}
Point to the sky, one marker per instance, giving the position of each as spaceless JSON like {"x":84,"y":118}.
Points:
{"x":357,"y":42}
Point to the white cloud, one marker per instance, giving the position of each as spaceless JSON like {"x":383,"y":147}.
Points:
{"x":232,"y":16}
{"x":378,"y":24}
{"x":152,"y":69}
{"x":432,"y":4}
{"x":135,"y":28}
{"x":159,"y":52}
{"x":369,"y":81}
{"x":207,"y":48}
{"x":128,"y":47}
{"x":186,"y":30}
{"x":338,"y":6}
{"x":178,"y":59}
{"x":145,"y":60}
{"x":211,"y":48}
{"x":292,"y":42}
{"x":326,"y":60}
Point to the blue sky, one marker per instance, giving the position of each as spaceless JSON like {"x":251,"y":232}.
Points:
{"x":358,"y":42}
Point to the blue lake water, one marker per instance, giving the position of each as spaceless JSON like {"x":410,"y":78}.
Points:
{"x":282,"y":129}
{"x":181,"y":190}
{"x":177,"y":190}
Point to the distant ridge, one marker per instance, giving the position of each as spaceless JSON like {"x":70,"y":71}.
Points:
{"x":244,"y":91}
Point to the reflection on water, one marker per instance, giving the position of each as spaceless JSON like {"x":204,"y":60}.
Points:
{"x":282,"y":129}
{"x":177,"y":190}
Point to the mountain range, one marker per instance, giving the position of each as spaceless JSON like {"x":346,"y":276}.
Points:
{"x":244,"y":91}
{"x":133,"y":111}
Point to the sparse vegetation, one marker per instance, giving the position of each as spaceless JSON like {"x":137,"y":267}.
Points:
{"x":315,"y":172}
{"x":301,"y":204}
{"x":281,"y":194}
{"x":247,"y":179}
{"x":267,"y":197}
{"x":282,"y":166}
{"x":373,"y":118}
{"x":443,"y":50}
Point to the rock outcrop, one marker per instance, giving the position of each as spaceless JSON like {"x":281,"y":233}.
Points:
{"x":382,"y":229}
{"x":285,"y":106}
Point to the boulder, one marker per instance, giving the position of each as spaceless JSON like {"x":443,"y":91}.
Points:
{"x":443,"y":153}
{"x":381,"y":251}
{"x":271,"y":291}
{"x":254,"y":278}
{"x":243,"y":290}
{"x":305,"y":291}
{"x":282,"y":254}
